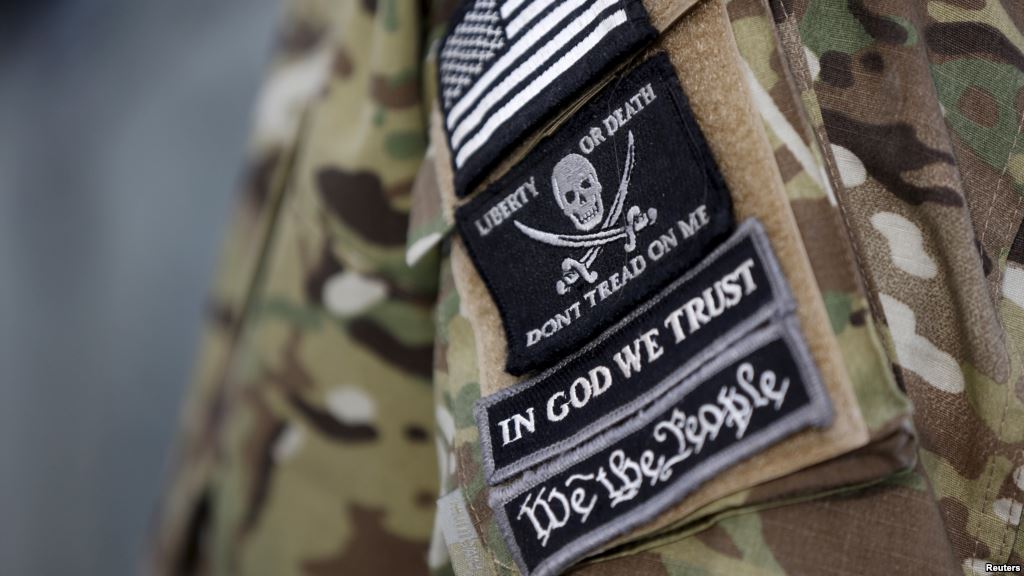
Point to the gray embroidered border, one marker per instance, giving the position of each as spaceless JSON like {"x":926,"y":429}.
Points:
{"x":782,"y":303}
{"x":817,"y":413}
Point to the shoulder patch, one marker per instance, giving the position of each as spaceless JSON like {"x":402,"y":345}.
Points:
{"x":621,"y":199}
{"x":759,"y":391}
{"x":504,"y":66}
{"x":736,"y":288}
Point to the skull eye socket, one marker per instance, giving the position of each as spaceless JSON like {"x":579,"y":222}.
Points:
{"x":586,"y":184}
{"x":571,"y":196}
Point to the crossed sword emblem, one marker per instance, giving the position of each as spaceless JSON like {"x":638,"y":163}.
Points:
{"x":610,"y":231}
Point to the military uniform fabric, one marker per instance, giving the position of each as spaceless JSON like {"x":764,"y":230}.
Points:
{"x":314,"y":380}
{"x":333,"y":403}
{"x":934,"y":213}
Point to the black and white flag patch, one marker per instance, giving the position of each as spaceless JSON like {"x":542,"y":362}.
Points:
{"x":621,"y":199}
{"x":507,"y":64}
{"x":755,"y":394}
{"x":736,"y":288}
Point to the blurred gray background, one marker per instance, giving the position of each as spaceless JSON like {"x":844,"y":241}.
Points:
{"x":122,"y":128}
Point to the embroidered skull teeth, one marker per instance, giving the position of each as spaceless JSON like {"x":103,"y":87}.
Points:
{"x":581,"y":221}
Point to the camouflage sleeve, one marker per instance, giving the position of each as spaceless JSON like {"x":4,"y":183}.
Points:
{"x":309,"y":432}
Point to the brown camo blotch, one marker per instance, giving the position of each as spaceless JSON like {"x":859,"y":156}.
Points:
{"x":740,"y":10}
{"x":325,"y":423}
{"x":342,"y":64}
{"x":418,"y":360}
{"x":300,"y":37}
{"x":220,"y":313}
{"x":371,"y":550}
{"x":258,"y":176}
{"x":966,"y":446}
{"x":780,"y":92}
{"x":883,"y":530}
{"x":947,"y":38}
{"x":789,"y":167}
{"x":888,"y":151}
{"x":646,"y":563}
{"x":326,"y":267}
{"x":293,"y":375}
{"x":720,"y":541}
{"x":836,"y":69}
{"x":968,"y":4}
{"x":979,"y":106}
{"x":832,"y":262}
{"x":397,"y":95}
{"x":358,"y":200}
{"x":258,"y":454}
{"x":880,"y":28}
{"x":416,"y":433}
{"x":956,"y":515}
{"x":872,"y":61}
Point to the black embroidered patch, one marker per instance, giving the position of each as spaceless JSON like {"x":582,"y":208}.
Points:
{"x":756,"y":393}
{"x":504,"y":66}
{"x":621,"y":199}
{"x":736,"y":288}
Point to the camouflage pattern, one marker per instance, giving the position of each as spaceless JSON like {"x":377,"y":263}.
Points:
{"x":921,"y":106}
{"x":309,"y":444}
{"x":333,"y":397}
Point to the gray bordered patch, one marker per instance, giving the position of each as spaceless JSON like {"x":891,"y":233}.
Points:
{"x":756,"y":393}
{"x":505,"y":65}
{"x":733,"y":290}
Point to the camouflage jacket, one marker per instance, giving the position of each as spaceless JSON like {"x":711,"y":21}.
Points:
{"x":339,"y":419}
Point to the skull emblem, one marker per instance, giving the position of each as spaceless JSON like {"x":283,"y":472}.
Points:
{"x":578,"y":191}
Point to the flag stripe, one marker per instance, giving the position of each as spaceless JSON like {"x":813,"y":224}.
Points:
{"x":535,"y":62}
{"x":509,"y":6}
{"x":509,"y":58}
{"x":526,"y":16}
{"x":502,"y":115}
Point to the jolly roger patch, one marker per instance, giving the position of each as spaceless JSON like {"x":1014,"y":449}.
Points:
{"x":505,"y":65}
{"x":620,"y":200}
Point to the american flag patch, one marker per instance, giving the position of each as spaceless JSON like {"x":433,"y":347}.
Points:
{"x":506,"y":64}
